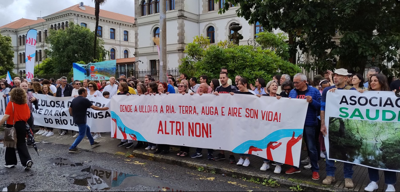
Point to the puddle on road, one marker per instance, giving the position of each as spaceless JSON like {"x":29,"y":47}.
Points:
{"x":14,"y":187}
{"x":97,"y":178}
{"x":64,"y":162}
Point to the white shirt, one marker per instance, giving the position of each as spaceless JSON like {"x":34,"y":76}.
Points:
{"x":53,"y":88}
{"x":195,"y":87}
{"x":112,"y":89}
{"x":97,"y":93}
{"x":75,"y":92}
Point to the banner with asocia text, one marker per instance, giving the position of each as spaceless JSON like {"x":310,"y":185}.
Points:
{"x":2,"y":105}
{"x":244,"y":124}
{"x":364,"y":128}
{"x":30,"y":50}
{"x":54,"y":112}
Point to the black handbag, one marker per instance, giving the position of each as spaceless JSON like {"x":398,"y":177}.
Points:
{"x":10,"y":134}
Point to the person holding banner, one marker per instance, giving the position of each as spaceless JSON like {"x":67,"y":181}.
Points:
{"x":243,"y":86}
{"x":304,"y":91}
{"x":112,"y":88}
{"x":46,"y":131}
{"x":152,"y":90}
{"x":17,"y":114}
{"x":340,"y":79}
{"x":378,"y":82}
{"x":93,"y":90}
{"x":78,"y":110}
{"x":63,"y":90}
{"x":4,"y":88}
{"x":162,"y":89}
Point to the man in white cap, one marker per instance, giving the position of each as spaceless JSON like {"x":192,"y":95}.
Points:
{"x":340,"y":78}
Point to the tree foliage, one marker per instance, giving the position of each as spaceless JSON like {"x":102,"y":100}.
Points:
{"x":369,"y":30}
{"x":244,"y":60}
{"x":75,"y":43}
{"x":275,"y":42}
{"x":6,"y":55}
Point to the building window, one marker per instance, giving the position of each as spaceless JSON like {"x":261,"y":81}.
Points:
{"x":211,"y":34}
{"x":258,"y":28}
{"x":221,"y":4}
{"x":126,"y":55}
{"x":151,"y":5}
{"x":112,"y":53}
{"x":126,"y":35}
{"x":59,"y":26}
{"x":40,"y":55}
{"x":84,"y":25}
{"x":62,"y":25}
{"x":156,"y":32}
{"x":112,"y":33}
{"x":45,"y":35}
{"x":153,"y":67}
{"x":99,"y":31}
{"x":172,"y":5}
{"x":24,"y":60}
{"x":20,"y":57}
{"x":144,"y":8}
{"x":51,"y":27}
{"x":36,"y":56}
{"x":66,"y":24}
{"x":40,"y":36}
{"x":211,"y":5}
{"x":20,"y":40}
{"x":23,"y":40}
{"x":157,"y":6}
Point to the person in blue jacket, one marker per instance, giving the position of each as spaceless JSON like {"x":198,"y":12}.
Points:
{"x":304,"y":91}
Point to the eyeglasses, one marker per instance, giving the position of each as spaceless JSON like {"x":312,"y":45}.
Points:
{"x":77,"y":83}
{"x":90,"y":86}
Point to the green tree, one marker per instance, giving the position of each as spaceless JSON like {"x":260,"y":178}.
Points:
{"x":46,"y":67}
{"x":6,"y":55}
{"x":275,"y":42}
{"x":244,"y":60}
{"x":73,"y":44}
{"x":97,"y":15}
{"x":368,"y":30}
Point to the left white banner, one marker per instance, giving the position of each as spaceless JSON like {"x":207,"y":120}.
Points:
{"x":2,"y":105}
{"x":30,"y":51}
{"x":53,"y":112}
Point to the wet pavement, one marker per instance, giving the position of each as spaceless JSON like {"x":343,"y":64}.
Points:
{"x":57,"y":170}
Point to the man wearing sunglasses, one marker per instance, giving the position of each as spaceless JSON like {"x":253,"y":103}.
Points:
{"x":76,"y":84}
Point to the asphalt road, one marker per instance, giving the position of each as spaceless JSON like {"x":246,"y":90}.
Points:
{"x":57,"y":170}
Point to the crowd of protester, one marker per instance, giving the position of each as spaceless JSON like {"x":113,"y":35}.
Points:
{"x":298,"y":86}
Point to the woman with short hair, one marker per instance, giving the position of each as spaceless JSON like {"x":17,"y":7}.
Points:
{"x":17,"y":114}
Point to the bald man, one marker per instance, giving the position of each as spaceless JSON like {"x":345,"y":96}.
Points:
{"x":204,"y":87}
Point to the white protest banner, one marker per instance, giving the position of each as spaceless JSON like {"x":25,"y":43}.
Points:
{"x":54,"y":112}
{"x":30,"y":50}
{"x":245,"y":124}
{"x":2,"y":105}
{"x":363,"y":128}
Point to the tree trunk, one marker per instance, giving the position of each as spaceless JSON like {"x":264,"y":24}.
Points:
{"x":341,"y":128}
{"x":292,"y":50}
{"x":97,"y":13}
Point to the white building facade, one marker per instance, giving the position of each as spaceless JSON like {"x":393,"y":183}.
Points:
{"x":185,"y":20}
{"x":115,"y":29}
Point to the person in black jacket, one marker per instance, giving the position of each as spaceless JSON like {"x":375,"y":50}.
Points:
{"x":64,"y":90}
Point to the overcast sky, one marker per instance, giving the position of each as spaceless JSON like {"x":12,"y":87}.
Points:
{"x":11,"y":10}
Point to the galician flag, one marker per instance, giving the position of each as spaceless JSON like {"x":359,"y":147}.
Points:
{"x":9,"y":79}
